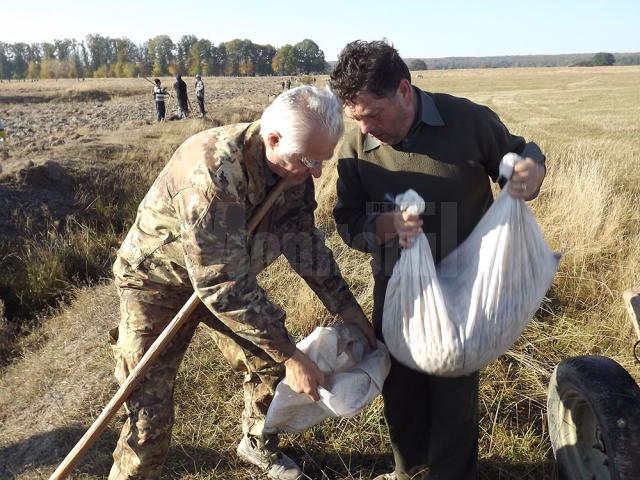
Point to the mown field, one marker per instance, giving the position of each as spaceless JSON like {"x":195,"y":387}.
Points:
{"x":66,"y":206}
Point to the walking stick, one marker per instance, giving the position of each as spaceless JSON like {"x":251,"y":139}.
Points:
{"x":91,"y":435}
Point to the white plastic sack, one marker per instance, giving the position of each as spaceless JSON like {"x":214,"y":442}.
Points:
{"x":458,"y":318}
{"x":354,"y":375}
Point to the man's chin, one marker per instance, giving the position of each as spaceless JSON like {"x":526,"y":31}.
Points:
{"x":297,"y":179}
{"x":300,"y":179}
{"x":384,"y":140}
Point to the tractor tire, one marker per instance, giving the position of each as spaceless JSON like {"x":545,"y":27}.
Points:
{"x":594,"y":420}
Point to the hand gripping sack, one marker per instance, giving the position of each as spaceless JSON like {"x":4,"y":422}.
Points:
{"x":354,"y":375}
{"x":452,"y":324}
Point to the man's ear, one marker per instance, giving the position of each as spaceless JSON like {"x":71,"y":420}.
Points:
{"x":404,"y":89}
{"x":273,"y":139}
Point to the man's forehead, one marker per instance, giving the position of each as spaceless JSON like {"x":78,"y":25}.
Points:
{"x":365,"y":103}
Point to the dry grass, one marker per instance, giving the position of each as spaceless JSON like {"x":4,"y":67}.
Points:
{"x":588,"y":123}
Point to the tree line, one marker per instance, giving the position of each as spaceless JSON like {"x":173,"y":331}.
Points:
{"x":508,"y":61}
{"x":100,"y":56}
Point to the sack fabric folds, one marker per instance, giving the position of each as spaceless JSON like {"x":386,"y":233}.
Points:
{"x":354,"y":375}
{"x":456,"y":318}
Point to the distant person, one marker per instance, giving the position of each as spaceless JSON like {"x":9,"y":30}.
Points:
{"x":159,"y":94}
{"x":283,"y":85}
{"x":288,"y":83}
{"x":3,"y":153}
{"x":200,"y":94}
{"x":181,"y":97}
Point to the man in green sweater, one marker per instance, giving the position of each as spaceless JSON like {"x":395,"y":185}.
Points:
{"x":447,"y":149}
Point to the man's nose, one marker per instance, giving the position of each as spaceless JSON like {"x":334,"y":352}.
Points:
{"x":365,"y":126}
{"x":316,"y":171}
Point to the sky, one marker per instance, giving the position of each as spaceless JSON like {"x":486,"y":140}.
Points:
{"x":417,"y":28}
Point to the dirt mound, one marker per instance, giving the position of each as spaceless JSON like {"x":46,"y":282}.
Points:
{"x":35,"y":197}
{"x":84,"y":96}
{"x":50,"y":176}
{"x":25,"y":99}
{"x":70,"y":95}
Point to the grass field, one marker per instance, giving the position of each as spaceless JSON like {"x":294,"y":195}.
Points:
{"x":587,"y":121}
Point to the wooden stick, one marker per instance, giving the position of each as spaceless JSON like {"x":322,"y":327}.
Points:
{"x":99,"y":425}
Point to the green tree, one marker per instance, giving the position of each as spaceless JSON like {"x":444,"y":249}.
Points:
{"x":5,"y":66}
{"x":417,"y":64}
{"x":263,"y":57}
{"x":310,"y":57}
{"x":183,"y":49}
{"x":285,"y":61}
{"x":19,"y":53}
{"x":200,"y":59}
{"x":160,"y":51}
{"x":126,"y":55}
{"x":240,"y":58}
{"x":63,"y":48}
{"x":218,"y":59}
{"x":101,"y":54}
{"x":48,"y":50}
{"x":603,"y":59}
{"x":79,"y":58}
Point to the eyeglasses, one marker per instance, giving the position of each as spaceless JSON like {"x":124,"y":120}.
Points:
{"x":313,"y":164}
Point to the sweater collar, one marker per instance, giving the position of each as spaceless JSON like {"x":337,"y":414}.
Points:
{"x":429,"y":114}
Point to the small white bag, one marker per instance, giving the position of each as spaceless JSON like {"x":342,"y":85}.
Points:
{"x":354,"y":375}
{"x":455,"y":325}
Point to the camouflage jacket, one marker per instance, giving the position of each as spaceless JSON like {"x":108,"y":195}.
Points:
{"x":190,"y":232}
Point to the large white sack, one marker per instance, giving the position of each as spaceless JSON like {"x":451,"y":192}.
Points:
{"x":354,"y":375}
{"x":458,"y":318}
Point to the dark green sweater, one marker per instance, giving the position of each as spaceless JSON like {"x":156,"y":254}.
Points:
{"x":456,"y":147}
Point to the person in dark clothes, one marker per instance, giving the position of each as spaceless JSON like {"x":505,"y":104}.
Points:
{"x":181,"y":97}
{"x":447,"y":149}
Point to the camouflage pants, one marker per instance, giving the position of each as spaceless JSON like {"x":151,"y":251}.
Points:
{"x":145,"y":437}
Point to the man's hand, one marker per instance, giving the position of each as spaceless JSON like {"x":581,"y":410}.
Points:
{"x":402,"y":224}
{"x":354,"y":315}
{"x":526,"y":179}
{"x":303,"y":376}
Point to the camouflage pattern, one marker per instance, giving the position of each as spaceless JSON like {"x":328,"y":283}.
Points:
{"x":190,"y":233}
{"x":145,"y":437}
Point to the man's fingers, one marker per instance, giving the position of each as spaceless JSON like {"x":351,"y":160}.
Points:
{"x":312,"y":389}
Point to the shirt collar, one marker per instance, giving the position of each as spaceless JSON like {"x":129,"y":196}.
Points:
{"x":429,"y":114}
{"x":255,"y":162}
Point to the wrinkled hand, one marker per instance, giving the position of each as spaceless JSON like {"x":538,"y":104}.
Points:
{"x":407,"y":227}
{"x":303,"y":375}
{"x":403,"y":225}
{"x":526,"y":179}
{"x":354,"y":315}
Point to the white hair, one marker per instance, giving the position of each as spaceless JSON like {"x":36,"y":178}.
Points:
{"x":296,"y":112}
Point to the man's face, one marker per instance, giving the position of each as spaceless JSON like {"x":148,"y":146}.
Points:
{"x":317,"y":148}
{"x":387,"y":119}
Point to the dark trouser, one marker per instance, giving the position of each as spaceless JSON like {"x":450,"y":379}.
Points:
{"x":201,"y":105}
{"x":433,"y":421}
{"x":160,"y":110}
{"x":183,"y":109}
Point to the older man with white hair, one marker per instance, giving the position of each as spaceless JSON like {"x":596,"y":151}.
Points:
{"x":191,"y":234}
